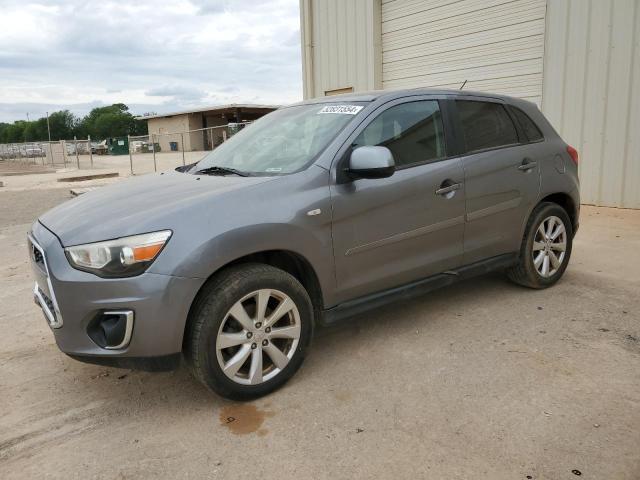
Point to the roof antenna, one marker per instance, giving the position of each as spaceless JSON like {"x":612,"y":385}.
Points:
{"x":463,"y":84}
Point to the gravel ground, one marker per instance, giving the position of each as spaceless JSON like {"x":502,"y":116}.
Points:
{"x":480,"y":380}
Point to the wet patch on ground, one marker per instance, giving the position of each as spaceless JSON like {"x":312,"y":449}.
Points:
{"x":244,"y":418}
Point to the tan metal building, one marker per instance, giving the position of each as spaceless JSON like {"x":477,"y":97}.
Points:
{"x":577,"y":59}
{"x":169,"y":127}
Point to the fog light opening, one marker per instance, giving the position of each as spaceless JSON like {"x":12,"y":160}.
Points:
{"x":111,"y":329}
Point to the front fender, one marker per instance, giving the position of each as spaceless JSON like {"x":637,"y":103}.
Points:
{"x":232,"y":245}
{"x":271,"y":216}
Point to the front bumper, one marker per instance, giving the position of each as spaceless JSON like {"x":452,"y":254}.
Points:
{"x":70,"y":299}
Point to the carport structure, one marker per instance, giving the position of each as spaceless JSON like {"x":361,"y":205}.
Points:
{"x":195,"y":121}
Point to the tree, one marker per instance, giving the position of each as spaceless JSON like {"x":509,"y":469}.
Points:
{"x":112,"y":121}
{"x":62,"y":124}
{"x":112,"y":125}
{"x":15,"y":132}
{"x":102,"y":122}
{"x":36,"y":130}
{"x":4,"y":128}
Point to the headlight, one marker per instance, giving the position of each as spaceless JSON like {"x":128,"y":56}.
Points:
{"x":123,"y":257}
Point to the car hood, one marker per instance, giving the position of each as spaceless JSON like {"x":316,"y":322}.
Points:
{"x":139,"y":205}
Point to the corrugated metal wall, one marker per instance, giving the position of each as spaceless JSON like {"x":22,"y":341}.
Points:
{"x":578,"y":59}
{"x":592,"y":93}
{"x":495,"y":45}
{"x":341,"y":45}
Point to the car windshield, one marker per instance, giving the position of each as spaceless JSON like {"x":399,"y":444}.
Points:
{"x":285,"y":141}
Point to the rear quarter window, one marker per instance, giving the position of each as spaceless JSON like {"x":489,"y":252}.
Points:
{"x":528,"y":126}
{"x":485,"y":125}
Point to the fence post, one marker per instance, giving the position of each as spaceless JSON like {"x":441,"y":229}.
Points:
{"x":90,"y":150}
{"x":130,"y":156}
{"x":75,"y":147}
{"x":51,"y":153}
{"x":63,"y":144}
{"x":182,"y":144}
{"x":224,"y":135}
{"x":153,"y":146}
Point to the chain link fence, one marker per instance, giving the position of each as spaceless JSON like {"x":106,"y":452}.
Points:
{"x":138,"y":154}
{"x":168,"y":150}
{"x":76,"y":153}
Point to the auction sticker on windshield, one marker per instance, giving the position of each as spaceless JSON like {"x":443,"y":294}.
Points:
{"x":342,"y":109}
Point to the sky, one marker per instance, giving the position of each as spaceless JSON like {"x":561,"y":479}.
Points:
{"x":151,"y":55}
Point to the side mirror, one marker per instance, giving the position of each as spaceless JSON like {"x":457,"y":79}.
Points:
{"x":371,"y":162}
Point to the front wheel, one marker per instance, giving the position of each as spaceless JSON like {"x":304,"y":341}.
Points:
{"x":249,"y":331}
{"x":546,"y":247}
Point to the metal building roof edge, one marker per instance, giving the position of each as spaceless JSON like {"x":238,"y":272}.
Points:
{"x":207,"y":109}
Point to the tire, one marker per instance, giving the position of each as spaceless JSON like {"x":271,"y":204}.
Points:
{"x":213,"y":325}
{"x":530,"y":273}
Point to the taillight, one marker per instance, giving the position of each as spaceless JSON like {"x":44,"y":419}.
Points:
{"x":573,"y":153}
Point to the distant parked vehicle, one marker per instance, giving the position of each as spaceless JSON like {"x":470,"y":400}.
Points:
{"x":100,"y":148}
{"x":137,"y":146}
{"x":233,"y":128}
{"x":34,"y":151}
{"x":71,"y":148}
{"x":14,"y":151}
{"x":10,"y":151}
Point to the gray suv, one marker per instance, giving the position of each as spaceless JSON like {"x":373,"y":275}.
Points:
{"x":314,"y":213}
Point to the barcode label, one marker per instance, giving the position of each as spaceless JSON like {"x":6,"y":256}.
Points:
{"x":341,"y":109}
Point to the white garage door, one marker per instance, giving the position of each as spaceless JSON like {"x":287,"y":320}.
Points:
{"x":496,"y":45}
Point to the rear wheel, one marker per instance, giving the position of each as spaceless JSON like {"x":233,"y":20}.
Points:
{"x":546,"y":247}
{"x":249,"y":331}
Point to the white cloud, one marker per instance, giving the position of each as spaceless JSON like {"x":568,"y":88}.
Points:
{"x":151,"y":55}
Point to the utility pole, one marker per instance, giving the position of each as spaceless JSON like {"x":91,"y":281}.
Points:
{"x":48,"y":128}
{"x":90,"y":149}
{"x":130,"y":154}
{"x":49,"y":132}
{"x":25,"y":130}
{"x":26,"y":139}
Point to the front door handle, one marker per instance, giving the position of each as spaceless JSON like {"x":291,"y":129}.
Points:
{"x":448,"y":189}
{"x":527,"y":164}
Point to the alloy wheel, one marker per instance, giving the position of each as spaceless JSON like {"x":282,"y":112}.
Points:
{"x":258,"y":337}
{"x":549,"y":246}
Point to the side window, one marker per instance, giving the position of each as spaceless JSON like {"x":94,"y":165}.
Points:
{"x":485,"y":125}
{"x":530,"y":129}
{"x":412,"y":131}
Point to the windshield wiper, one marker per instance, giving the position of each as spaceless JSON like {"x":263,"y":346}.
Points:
{"x":218,"y":170}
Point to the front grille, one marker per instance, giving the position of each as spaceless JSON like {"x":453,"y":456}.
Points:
{"x":37,"y":257}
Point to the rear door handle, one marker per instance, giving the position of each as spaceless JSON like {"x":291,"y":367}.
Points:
{"x":448,"y":189}
{"x":527,"y":164}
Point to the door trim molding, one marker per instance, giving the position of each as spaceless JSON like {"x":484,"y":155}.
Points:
{"x":497,"y":208}
{"x":399,"y":237}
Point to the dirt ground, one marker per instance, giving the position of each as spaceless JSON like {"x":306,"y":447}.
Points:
{"x":480,"y":380}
